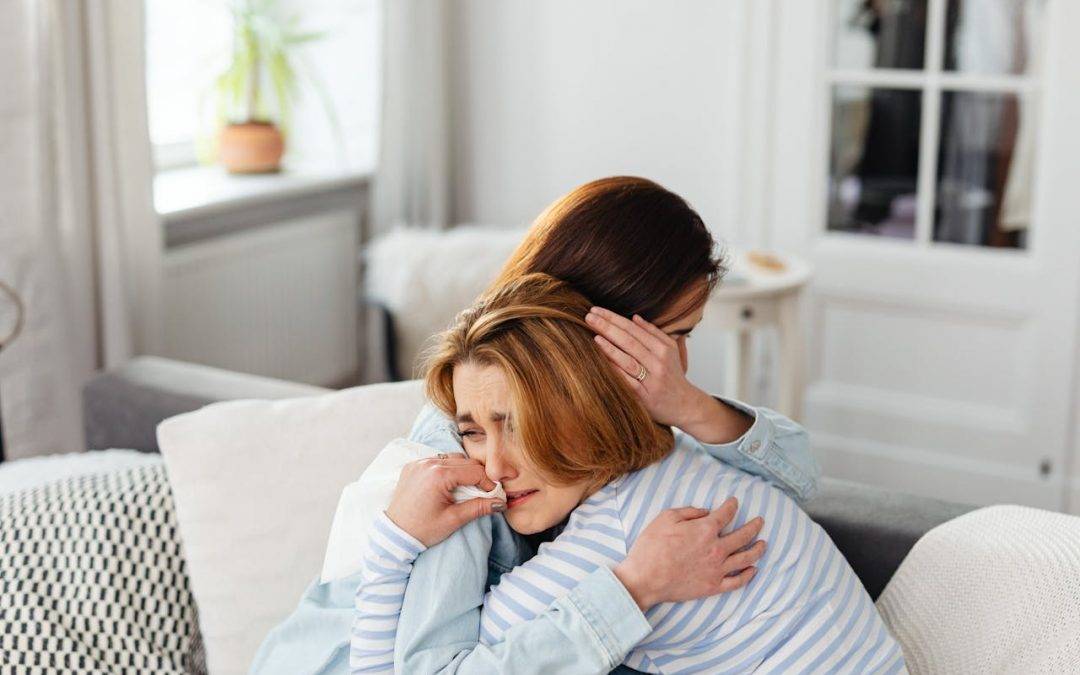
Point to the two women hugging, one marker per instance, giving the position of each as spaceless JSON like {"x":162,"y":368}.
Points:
{"x":647,"y":525}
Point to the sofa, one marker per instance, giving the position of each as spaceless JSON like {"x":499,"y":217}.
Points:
{"x":874,"y":528}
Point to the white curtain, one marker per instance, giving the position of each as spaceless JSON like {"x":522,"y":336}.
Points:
{"x":86,"y":255}
{"x":412,"y":182}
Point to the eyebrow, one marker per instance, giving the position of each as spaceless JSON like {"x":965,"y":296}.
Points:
{"x":467,"y":418}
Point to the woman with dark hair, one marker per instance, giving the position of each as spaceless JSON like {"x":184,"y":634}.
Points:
{"x":647,"y":261}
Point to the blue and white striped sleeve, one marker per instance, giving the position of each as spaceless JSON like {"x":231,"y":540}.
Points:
{"x":389,"y":560}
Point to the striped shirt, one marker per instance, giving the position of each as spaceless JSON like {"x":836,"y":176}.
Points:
{"x":805,"y":610}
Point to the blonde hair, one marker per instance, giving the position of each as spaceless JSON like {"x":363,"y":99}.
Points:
{"x":575,"y":417}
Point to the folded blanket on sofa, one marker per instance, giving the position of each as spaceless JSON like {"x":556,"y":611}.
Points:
{"x":996,"y":590}
{"x":93,"y":579}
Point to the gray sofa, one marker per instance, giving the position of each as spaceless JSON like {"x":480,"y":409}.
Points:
{"x":874,"y":528}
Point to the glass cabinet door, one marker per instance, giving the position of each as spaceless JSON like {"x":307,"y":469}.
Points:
{"x":932,"y":115}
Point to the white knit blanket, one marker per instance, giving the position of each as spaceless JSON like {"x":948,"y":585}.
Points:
{"x":996,"y":590}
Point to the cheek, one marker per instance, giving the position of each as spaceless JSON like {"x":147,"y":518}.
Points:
{"x":474,"y":449}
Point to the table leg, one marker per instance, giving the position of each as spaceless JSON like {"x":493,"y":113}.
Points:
{"x":790,"y":362}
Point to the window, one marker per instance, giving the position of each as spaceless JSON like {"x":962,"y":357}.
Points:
{"x":335,"y":117}
{"x":186,"y":43}
{"x":933,"y":114}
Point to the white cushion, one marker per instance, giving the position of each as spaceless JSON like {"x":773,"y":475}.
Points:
{"x":255,"y":485}
{"x":425,"y":277}
{"x":363,"y":500}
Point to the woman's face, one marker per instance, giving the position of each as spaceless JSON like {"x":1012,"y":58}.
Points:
{"x":483,"y":419}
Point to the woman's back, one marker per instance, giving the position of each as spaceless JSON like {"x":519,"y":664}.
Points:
{"x":805,"y":611}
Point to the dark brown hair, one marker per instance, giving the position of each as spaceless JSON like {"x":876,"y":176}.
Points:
{"x":625,"y":243}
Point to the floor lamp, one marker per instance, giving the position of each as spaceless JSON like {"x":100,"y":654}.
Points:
{"x":7,"y":293}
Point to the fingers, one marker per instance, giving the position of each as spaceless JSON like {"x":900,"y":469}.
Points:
{"x":723,"y":514}
{"x":661,"y":335}
{"x":453,"y":475}
{"x":651,"y":341}
{"x":470,"y":510}
{"x":623,"y":361}
{"x":635,"y":384}
{"x":625,"y":335}
{"x":686,"y":513}
{"x":740,"y":538}
{"x":734,"y":583}
{"x":743,"y":559}
{"x":449,"y":460}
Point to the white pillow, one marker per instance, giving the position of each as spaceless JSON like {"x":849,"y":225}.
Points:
{"x":362,"y":501}
{"x":255,"y":485}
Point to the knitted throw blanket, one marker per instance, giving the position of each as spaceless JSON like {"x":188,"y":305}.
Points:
{"x":996,"y":590}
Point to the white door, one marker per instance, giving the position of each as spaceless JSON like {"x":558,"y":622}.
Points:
{"x":925,"y":156}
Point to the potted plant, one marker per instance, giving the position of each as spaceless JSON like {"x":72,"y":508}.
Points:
{"x":257,"y":90}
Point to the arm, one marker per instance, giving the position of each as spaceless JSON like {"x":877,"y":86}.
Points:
{"x":757,"y":440}
{"x":589,"y":630}
{"x":773,"y":447}
{"x":593,"y":626}
{"x":378,"y":597}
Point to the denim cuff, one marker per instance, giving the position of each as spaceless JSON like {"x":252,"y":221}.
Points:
{"x":607,"y":607}
{"x":758,"y":445}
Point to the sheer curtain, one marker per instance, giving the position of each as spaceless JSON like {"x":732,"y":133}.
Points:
{"x":412,"y":183}
{"x":85,"y":250}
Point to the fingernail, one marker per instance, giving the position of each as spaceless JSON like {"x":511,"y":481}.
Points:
{"x":590,"y":317}
{"x":498,"y":507}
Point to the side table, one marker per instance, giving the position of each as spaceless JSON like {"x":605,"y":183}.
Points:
{"x":758,"y":296}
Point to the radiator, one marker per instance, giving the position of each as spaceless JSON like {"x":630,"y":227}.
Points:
{"x":279,"y":300}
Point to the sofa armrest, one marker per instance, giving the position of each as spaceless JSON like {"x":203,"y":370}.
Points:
{"x":875,"y":528}
{"x":122,"y":407}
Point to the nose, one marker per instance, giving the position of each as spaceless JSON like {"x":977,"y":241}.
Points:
{"x":499,"y":465}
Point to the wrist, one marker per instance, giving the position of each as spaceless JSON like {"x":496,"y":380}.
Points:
{"x":402,"y":523}
{"x":700,"y":412}
{"x":712,"y":421}
{"x":636,"y":585}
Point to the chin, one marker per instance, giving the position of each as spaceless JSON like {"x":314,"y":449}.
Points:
{"x":525,"y":523}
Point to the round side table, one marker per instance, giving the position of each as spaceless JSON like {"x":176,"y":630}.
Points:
{"x":755,"y":296}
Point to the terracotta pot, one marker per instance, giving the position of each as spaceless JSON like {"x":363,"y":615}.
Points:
{"x":251,"y":147}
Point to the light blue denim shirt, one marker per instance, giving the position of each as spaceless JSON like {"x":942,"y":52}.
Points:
{"x":590,"y":630}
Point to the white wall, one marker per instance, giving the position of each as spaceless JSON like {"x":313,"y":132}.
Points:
{"x":547,"y":95}
{"x":346,"y":62}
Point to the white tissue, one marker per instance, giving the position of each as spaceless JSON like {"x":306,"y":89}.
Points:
{"x":466,"y":492}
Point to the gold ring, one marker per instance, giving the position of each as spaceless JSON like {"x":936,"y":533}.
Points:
{"x":642,"y":374}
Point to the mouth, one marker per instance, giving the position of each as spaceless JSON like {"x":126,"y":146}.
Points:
{"x":518,"y":497}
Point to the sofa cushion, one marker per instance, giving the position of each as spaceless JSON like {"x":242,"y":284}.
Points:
{"x":255,"y":485}
{"x":406,"y":272}
{"x":996,"y":590}
{"x":92,"y":575}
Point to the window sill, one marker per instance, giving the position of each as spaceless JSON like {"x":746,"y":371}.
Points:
{"x":203,"y":202}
